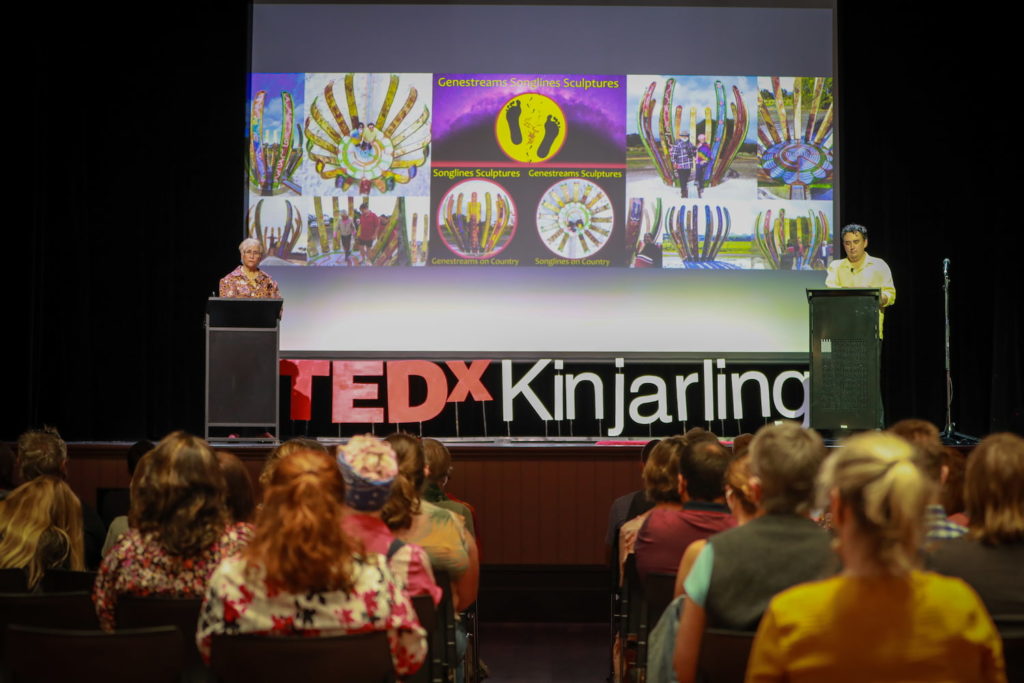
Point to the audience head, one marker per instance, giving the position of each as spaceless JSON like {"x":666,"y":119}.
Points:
{"x":404,"y":501}
{"x":994,"y":489}
{"x":369,"y":467}
{"x":239,"y":496}
{"x":916,"y":431}
{"x":283,"y":450}
{"x":298,"y":540}
{"x":439,"y":461}
{"x":739,"y":494}
{"x":178,"y":494}
{"x":876,"y":488}
{"x":953,"y":488}
{"x":661,"y":472}
{"x":7,"y":467}
{"x":41,"y":528}
{"x":645,"y":453}
{"x":135,"y":453}
{"x":741,"y":444}
{"x":41,"y":452}
{"x":702,"y":465}
{"x":785,"y":459}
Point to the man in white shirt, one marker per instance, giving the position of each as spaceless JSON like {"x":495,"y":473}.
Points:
{"x":859,"y":269}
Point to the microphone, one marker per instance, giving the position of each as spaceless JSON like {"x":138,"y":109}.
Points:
{"x":945,"y":266}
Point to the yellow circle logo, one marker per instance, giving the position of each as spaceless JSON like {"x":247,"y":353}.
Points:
{"x":530,"y":128}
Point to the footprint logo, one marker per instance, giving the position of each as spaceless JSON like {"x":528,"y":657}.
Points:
{"x":530,"y":128}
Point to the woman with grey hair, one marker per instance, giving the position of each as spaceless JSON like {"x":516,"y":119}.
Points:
{"x":247,"y":280}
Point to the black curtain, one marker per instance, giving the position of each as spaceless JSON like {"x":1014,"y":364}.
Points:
{"x":117,"y":249}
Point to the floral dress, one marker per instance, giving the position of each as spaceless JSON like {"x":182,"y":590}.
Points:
{"x":240,"y":600}
{"x":236,"y":285}
{"x":139,"y":565}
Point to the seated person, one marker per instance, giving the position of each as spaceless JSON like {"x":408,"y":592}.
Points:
{"x":438,"y":531}
{"x":882,"y":618}
{"x":627,"y":506}
{"x":991,"y":557}
{"x":44,"y":453}
{"x":119,"y":524}
{"x":239,"y":496}
{"x":180,"y":528}
{"x":369,"y":467}
{"x":439,"y":467}
{"x":301,"y":574}
{"x":739,"y":571}
{"x":41,"y":529}
{"x":663,"y":538}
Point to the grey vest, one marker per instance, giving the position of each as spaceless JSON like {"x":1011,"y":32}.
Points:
{"x":755,"y":561}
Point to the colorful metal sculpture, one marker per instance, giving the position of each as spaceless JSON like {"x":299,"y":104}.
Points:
{"x":796,"y":155}
{"x":725,"y":140}
{"x":791,"y":243}
{"x":697,"y":252}
{"x":272,"y":163}
{"x":575,"y":218}
{"x":387,"y":155}
{"x":471,"y":234}
{"x":277,"y":241}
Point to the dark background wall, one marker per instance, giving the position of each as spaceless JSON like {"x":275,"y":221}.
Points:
{"x":113,"y":255}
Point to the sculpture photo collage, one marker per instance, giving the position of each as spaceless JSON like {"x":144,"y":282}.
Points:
{"x":541,"y":170}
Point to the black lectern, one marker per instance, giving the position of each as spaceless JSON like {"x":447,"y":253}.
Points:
{"x":242,"y":367}
{"x":845,"y":350}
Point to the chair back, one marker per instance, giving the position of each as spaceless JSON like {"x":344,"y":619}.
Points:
{"x":658,"y":592}
{"x":358,"y":658}
{"x":442,"y":641}
{"x":183,"y":613}
{"x":1011,"y":629}
{"x":13,"y":580}
{"x":723,"y":655}
{"x":55,"y":610}
{"x":67,"y":581}
{"x":426,"y":612}
{"x":44,"y":655}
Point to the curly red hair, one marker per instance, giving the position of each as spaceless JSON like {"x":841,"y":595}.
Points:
{"x":298,"y":539}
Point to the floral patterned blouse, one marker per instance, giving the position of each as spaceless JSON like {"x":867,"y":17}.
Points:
{"x":236,"y":285}
{"x":139,"y":565}
{"x":240,"y":600}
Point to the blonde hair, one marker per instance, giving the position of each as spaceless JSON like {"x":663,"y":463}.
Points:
{"x":41,"y":528}
{"x":876,"y":479}
{"x":994,"y":489}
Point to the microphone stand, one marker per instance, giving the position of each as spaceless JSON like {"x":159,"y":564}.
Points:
{"x":949,"y":435}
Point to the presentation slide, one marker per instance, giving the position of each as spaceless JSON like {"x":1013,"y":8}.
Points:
{"x":645,"y":180}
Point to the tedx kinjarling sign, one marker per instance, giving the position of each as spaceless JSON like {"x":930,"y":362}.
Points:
{"x":524,"y":398}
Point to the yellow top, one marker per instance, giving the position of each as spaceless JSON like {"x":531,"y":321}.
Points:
{"x":922,"y":627}
{"x":871,"y":272}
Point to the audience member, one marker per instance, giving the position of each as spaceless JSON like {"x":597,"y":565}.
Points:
{"x":369,"y":467}
{"x":630,"y":505}
{"x":41,"y":528}
{"x":739,"y":496}
{"x":180,"y":527}
{"x":991,"y":557}
{"x":930,"y":456}
{"x":741,"y":444}
{"x":739,"y":571}
{"x":119,"y":524}
{"x":300,"y":574}
{"x":439,"y":467}
{"x":881,"y":619}
{"x":953,"y":488}
{"x":43,"y":452}
{"x":239,"y":497}
{"x":439,"y":532}
{"x":282,"y":450}
{"x":664,"y":537}
{"x":661,"y":489}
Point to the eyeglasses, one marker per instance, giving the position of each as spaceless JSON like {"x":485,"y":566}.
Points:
{"x":252,"y":252}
